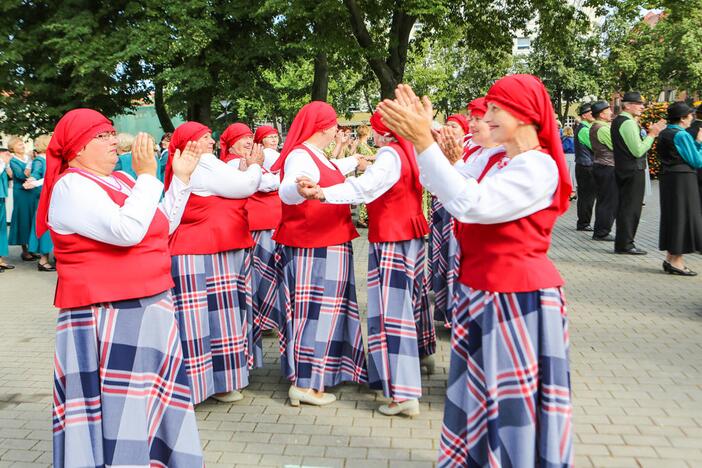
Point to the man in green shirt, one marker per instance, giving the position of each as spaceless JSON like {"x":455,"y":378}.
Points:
{"x":583,"y":168}
{"x":630,"y":152}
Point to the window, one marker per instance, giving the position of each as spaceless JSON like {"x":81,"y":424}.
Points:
{"x":523,"y":43}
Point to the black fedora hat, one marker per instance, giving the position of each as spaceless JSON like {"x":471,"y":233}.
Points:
{"x":678,"y":110}
{"x":633,"y":96}
{"x":584,"y":108}
{"x":599,"y":106}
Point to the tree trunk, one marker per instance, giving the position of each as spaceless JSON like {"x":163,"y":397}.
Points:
{"x":320,"y":85}
{"x":200,"y":108}
{"x":161,"y":112}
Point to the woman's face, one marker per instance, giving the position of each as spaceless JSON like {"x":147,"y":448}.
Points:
{"x":686,"y":121}
{"x":503,"y":125}
{"x":100,"y":154}
{"x":209,"y":142}
{"x":480,"y":131}
{"x":328,"y":135}
{"x":165,"y":143}
{"x":455,"y":125}
{"x":243,"y":146}
{"x":271,"y":141}
{"x":18,"y":148}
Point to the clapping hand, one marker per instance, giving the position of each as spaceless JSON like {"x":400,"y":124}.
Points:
{"x":409,"y":116}
{"x":308,"y":189}
{"x":448,"y":140}
{"x":657,"y":128}
{"x":143,"y":161}
{"x":256,"y":155}
{"x":185,"y":162}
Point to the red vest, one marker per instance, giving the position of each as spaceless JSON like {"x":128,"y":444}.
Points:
{"x":312,"y":223}
{"x":263,"y":208}
{"x":210,"y":225}
{"x":397,"y":214}
{"x":510,"y":256}
{"x":93,"y":272}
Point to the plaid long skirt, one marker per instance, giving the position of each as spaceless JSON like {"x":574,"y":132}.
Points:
{"x":321,"y":343}
{"x":213,"y":302}
{"x":266,"y":310}
{"x":121,"y":394}
{"x":508,"y":399}
{"x":442,"y":252}
{"x":400,"y":326}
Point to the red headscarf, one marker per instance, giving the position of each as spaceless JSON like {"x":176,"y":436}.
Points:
{"x":526,"y":98}
{"x":72,"y":133}
{"x":312,"y":118}
{"x":478,"y":107}
{"x":262,"y":132}
{"x":188,"y":131}
{"x":461,"y":120}
{"x":379,"y":126}
{"x":231,"y":135}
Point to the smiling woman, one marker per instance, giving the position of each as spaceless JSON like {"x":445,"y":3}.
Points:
{"x":116,"y":348}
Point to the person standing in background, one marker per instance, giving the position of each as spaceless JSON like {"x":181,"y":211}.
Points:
{"x":124,"y":154}
{"x":5,"y":157}
{"x":567,"y":140}
{"x":39,"y":245}
{"x":693,"y":130}
{"x":583,"y":168}
{"x":23,"y":202}
{"x":162,"y":155}
{"x":603,"y":170}
{"x":629,"y":165}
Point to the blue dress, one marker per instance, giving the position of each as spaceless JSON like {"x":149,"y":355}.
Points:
{"x":43,"y":244}
{"x":23,"y":205}
{"x":4,"y":192}
{"x":162,"y":161}
{"x":124,"y":164}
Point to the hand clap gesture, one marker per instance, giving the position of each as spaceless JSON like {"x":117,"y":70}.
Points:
{"x":448,"y":140}
{"x":184,"y":163}
{"x":409,"y":116}
{"x":256,"y":155}
{"x":143,"y":160}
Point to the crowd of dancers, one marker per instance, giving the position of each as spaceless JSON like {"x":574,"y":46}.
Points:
{"x":163,"y":296}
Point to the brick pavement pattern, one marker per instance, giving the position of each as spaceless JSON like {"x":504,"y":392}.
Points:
{"x":636,"y":358}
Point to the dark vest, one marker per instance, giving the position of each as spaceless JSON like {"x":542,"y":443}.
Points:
{"x":624,"y":160}
{"x":671,"y":161}
{"x":602,"y":154}
{"x":694,"y":128}
{"x":583,"y":155}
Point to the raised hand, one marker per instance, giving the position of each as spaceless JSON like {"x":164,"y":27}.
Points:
{"x":256,"y":155}
{"x":409,"y":116}
{"x":447,"y":138}
{"x":185,"y":162}
{"x":143,"y":160}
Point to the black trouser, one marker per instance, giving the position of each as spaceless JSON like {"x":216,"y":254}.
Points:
{"x":631,"y":187}
{"x":586,"y":194}
{"x":607,"y":198}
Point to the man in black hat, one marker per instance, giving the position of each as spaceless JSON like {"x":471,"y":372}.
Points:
{"x":630,"y":152}
{"x":603,"y":171}
{"x":693,"y":130}
{"x":583,"y":168}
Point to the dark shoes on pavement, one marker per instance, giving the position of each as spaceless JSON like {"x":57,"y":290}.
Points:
{"x":631,"y":251}
{"x":45,"y":267}
{"x":606,"y":238}
{"x":585,"y":228}
{"x":670,"y":269}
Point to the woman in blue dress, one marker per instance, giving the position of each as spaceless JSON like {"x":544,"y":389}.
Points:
{"x":23,"y":200}
{"x":4,"y":192}
{"x":39,"y":245}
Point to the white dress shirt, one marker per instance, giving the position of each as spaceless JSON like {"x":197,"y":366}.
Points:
{"x":299,"y":163}
{"x":212,"y":176}
{"x":80,"y":206}
{"x":462,"y":166}
{"x":269,"y":181}
{"x":270,"y":157}
{"x":375,"y":181}
{"x":512,"y":189}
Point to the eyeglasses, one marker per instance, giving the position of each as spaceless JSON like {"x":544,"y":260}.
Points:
{"x":105,"y":136}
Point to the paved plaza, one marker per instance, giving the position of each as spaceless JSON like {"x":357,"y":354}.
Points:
{"x":636,"y":359}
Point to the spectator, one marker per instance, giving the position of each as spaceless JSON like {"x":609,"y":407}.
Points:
{"x":681,"y":212}
{"x":692,"y":130}
{"x":568,"y":143}
{"x":630,"y":164}
{"x":23,"y":201}
{"x":583,"y":169}
{"x":5,"y":157}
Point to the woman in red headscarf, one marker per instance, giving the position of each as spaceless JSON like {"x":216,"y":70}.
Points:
{"x":508,"y":398}
{"x":211,"y":268}
{"x":264,"y":211}
{"x":121,"y":396}
{"x":267,"y":137}
{"x":401,"y":334}
{"x":322,"y":343}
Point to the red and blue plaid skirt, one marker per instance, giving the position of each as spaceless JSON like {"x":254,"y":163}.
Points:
{"x":321,"y":344}
{"x":121,"y":394}
{"x":508,"y":401}
{"x":400,"y":327}
{"x":443,"y":251}
{"x":266,"y":311}
{"x":212,"y":296}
